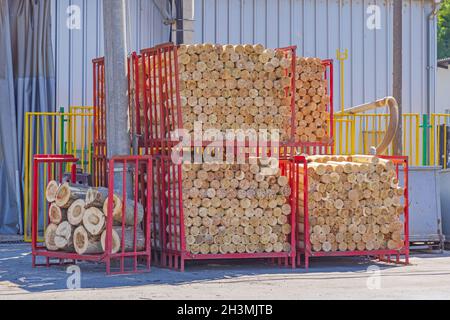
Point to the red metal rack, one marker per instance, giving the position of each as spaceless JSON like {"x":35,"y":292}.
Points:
{"x":306,"y":251}
{"x":318,"y":148}
{"x":141,"y":169}
{"x":100,"y":152}
{"x":161,"y":111}
{"x":174,"y":252}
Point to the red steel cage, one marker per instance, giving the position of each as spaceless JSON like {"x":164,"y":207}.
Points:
{"x":126,"y":232}
{"x":158,"y":112}
{"x":324,"y":147}
{"x":172,"y":235}
{"x":100,"y":152}
{"x":304,"y":246}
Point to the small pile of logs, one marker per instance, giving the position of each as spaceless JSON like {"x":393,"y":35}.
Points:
{"x":234,"y":209}
{"x":77,"y":216}
{"x":355,"y":203}
{"x":311,"y":101}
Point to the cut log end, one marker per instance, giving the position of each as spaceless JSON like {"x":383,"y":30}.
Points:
{"x":56,"y":214}
{"x":84,"y":244}
{"x":51,"y":191}
{"x":76,"y":212}
{"x":49,"y":236}
{"x":63,"y":237}
{"x":94,"y":221}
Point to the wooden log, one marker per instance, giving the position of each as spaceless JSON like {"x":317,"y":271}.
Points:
{"x":68,"y":194}
{"x":96,"y":197}
{"x":49,"y":237}
{"x":63,"y":237}
{"x":76,"y":212}
{"x":116,"y":233}
{"x":85,"y":244}
{"x":94,"y":221}
{"x":51,"y":191}
{"x":129,"y":211}
{"x":56,"y":214}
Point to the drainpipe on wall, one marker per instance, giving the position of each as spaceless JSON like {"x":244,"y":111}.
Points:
{"x":431,"y":50}
{"x":431,"y":67}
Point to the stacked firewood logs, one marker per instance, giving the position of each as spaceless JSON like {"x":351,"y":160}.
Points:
{"x":355,"y":203}
{"x":77,"y":216}
{"x":232,"y":209}
{"x":312,"y":100}
{"x":235,"y":87}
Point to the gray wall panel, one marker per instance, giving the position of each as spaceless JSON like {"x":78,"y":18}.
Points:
{"x":319,"y":28}
{"x":75,"y":49}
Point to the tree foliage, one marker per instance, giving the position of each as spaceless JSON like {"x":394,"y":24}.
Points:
{"x":443,"y":36}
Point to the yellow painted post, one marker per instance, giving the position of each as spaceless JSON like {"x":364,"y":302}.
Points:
{"x":342,"y":57}
{"x":445,"y":144}
{"x":26,"y":167}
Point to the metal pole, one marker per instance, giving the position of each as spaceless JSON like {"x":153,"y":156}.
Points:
{"x":118,"y":139}
{"x":398,"y":72}
{"x":180,"y":21}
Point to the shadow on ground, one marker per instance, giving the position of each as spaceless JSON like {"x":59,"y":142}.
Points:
{"x":15,"y":268}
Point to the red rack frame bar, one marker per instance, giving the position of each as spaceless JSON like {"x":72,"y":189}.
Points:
{"x":100,"y":151}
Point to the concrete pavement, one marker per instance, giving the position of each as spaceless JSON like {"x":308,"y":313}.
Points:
{"x":428,"y":277}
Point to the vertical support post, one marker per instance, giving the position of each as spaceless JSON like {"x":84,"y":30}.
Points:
{"x":398,"y":72}
{"x":118,"y":140}
{"x":180,"y":21}
{"x":61,"y":131}
{"x":425,"y":126}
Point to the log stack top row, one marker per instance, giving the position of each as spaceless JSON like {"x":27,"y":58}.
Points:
{"x":247,"y":87}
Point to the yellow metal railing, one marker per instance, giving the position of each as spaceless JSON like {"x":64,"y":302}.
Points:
{"x":47,"y":133}
{"x":438,"y":153}
{"x":357,"y":133}
{"x":80,"y":136}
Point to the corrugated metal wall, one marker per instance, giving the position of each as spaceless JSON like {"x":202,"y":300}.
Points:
{"x":75,"y":49}
{"x":319,"y":28}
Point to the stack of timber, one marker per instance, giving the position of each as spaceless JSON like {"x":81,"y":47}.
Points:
{"x":232,"y":209}
{"x":311,"y":101}
{"x":355,"y":203}
{"x":235,"y":87}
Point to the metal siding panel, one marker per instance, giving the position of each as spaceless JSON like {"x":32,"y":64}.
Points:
{"x":357,"y":52}
{"x":234,"y":21}
{"x":285,"y":23}
{"x":334,"y":44}
{"x":309,"y":33}
{"x":222,"y":26}
{"x":346,"y":43}
{"x":321,"y":28}
{"x":247,"y":22}
{"x":272,"y":27}
{"x":297,"y":24}
{"x":417,"y":57}
{"x":209,"y":17}
{"x":379,"y":56}
{"x":76,"y":61}
{"x":407,"y":61}
{"x":74,"y":50}
{"x":260,"y":22}
{"x":62,"y":55}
